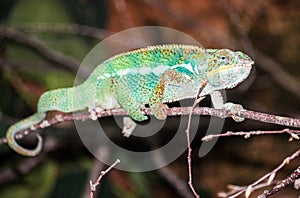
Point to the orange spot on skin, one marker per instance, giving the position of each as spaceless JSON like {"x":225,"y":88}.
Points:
{"x":159,"y":91}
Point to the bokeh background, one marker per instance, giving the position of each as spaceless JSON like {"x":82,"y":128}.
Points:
{"x":43,"y":42}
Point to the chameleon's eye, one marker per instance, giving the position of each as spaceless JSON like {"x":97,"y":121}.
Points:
{"x":224,"y":60}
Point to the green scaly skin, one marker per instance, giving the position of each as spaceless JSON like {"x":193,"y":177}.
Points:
{"x":153,"y":75}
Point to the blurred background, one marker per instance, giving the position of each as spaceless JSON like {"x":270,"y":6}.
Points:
{"x":43,"y":42}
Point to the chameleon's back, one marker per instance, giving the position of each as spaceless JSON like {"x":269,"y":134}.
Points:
{"x":130,"y":78}
{"x":150,"y":57}
{"x":143,"y":67}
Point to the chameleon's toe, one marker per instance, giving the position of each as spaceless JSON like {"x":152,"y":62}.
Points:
{"x":138,"y":116}
{"x":158,"y":111}
{"x":234,"y":109}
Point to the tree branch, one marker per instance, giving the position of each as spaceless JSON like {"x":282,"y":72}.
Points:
{"x":65,"y":28}
{"x":175,"y":111}
{"x":53,"y":55}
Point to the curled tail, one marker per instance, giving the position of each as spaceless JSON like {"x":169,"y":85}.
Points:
{"x":23,"y":124}
{"x":64,"y":100}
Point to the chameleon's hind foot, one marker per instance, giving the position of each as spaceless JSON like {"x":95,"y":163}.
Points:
{"x":128,"y":126}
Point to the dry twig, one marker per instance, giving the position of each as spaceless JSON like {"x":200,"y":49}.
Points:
{"x":266,"y":180}
{"x":176,"y":182}
{"x":187,"y":131}
{"x":53,"y":55}
{"x":282,"y":184}
{"x":93,"y":186}
{"x":64,"y":28}
{"x":293,"y":133}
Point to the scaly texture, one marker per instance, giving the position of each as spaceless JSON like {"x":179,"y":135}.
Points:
{"x":153,"y":75}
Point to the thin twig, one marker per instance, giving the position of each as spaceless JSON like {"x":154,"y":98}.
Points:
{"x":236,"y":21}
{"x":122,"y":10}
{"x":234,"y":188}
{"x":282,"y":184}
{"x":198,"y":27}
{"x":269,"y":177}
{"x":53,"y":55}
{"x":283,"y":78}
{"x":95,"y":171}
{"x":187,"y":131}
{"x":294,"y":134}
{"x":64,"y":28}
{"x":176,"y":182}
{"x":93,"y":186}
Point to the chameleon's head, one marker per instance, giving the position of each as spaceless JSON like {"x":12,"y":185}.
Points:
{"x":227,"y":68}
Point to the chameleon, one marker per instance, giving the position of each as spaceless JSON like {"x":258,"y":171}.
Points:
{"x":153,"y":76}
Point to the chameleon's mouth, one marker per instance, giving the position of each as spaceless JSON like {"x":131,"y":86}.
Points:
{"x":240,"y":64}
{"x":226,"y":68}
{"x":246,"y":63}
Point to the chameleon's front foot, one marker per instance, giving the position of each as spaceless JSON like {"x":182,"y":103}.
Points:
{"x":158,"y":111}
{"x":234,"y":109}
{"x":94,"y":112}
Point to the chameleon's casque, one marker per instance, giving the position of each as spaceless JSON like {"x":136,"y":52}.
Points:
{"x":153,"y":75}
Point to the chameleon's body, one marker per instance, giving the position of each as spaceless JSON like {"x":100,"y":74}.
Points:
{"x":154,"y":75}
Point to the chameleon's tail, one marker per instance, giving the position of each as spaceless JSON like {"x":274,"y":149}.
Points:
{"x":64,"y":100}
{"x":23,"y":124}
